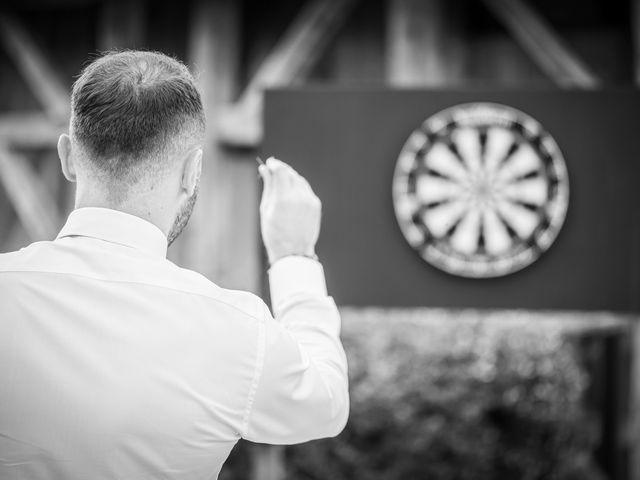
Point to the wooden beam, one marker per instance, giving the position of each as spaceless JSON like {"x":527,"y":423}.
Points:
{"x":538,"y":38}
{"x":29,"y":196}
{"x":423,"y":43}
{"x":292,"y":58}
{"x":29,"y":130}
{"x":35,"y":68}
{"x":121,"y":24}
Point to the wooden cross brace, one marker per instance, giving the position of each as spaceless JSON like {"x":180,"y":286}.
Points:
{"x":26,"y":190}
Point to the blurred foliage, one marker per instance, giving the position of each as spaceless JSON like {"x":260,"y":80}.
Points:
{"x":441,"y":395}
{"x":456,"y":395}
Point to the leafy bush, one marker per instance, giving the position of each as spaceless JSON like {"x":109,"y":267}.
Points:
{"x":441,"y":395}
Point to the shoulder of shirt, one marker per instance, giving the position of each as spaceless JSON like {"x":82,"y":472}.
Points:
{"x":241,"y":300}
{"x":166,"y":274}
{"x":9,"y":260}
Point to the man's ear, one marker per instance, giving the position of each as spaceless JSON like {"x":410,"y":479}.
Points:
{"x":64,"y":152}
{"x":191,"y":171}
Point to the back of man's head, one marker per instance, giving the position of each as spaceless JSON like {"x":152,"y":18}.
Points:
{"x":132,"y":113}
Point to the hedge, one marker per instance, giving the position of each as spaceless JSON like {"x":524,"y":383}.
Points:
{"x":444,"y":395}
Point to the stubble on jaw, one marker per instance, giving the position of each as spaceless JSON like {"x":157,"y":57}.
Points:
{"x":182,"y":218}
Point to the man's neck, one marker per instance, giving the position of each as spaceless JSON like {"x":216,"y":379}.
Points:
{"x":148,"y":209}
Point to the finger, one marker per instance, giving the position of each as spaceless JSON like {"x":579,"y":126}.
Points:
{"x":280,"y":175}
{"x":275,"y":163}
{"x":298,"y":182}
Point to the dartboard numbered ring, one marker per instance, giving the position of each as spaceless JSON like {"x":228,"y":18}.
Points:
{"x":480,"y":190}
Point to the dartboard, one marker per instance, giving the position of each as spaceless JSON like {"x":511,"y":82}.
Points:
{"x":480,"y":190}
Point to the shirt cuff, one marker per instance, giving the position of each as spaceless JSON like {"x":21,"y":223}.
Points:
{"x":293,"y":276}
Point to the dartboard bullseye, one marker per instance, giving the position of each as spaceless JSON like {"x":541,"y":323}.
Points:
{"x":480,"y":190}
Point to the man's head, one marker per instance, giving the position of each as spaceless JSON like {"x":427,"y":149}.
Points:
{"x":135,"y":137}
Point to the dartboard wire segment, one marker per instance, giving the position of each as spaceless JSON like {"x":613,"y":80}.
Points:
{"x":480,"y":190}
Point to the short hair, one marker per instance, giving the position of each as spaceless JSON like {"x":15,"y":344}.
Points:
{"x":131,"y":107}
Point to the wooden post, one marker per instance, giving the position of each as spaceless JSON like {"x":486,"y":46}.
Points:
{"x":268,"y":462}
{"x":423,"y":46}
{"x":221,"y":238}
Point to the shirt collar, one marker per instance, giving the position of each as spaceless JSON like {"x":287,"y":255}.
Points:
{"x":116,"y":227}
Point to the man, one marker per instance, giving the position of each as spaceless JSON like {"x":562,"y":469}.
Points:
{"x":117,"y":364}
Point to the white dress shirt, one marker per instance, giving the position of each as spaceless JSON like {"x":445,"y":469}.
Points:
{"x":117,"y":364}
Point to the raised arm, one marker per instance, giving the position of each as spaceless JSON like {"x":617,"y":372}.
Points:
{"x":302,"y":392}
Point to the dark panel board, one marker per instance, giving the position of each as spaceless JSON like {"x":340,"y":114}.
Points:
{"x":347,"y":143}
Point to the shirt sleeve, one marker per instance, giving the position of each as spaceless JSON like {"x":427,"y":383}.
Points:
{"x":301,"y":392}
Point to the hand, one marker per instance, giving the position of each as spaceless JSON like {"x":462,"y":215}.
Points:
{"x":289,"y":212}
